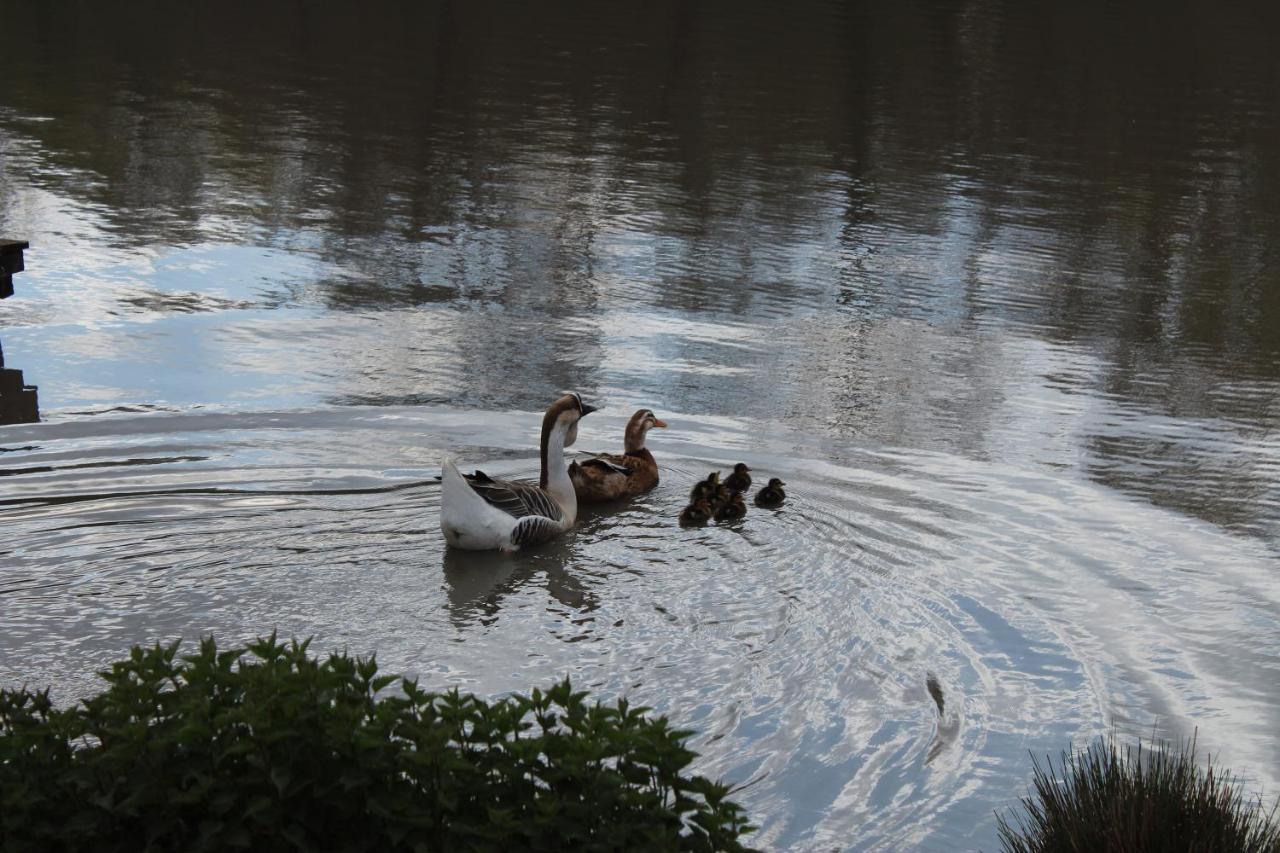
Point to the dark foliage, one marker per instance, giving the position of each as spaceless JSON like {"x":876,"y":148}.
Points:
{"x":268,"y":748}
{"x":1137,"y":800}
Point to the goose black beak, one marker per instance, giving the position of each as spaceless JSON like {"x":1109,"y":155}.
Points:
{"x":586,"y":410}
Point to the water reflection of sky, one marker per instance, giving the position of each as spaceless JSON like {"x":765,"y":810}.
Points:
{"x":994,"y":286}
{"x":930,"y":246}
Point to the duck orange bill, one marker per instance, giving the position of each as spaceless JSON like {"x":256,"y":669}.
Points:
{"x":659,"y":424}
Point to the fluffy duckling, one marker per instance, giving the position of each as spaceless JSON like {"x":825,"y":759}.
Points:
{"x":698,"y":512}
{"x":705,"y":489}
{"x":733,"y":508}
{"x":608,"y":477}
{"x":740,"y":479}
{"x":771,"y":495}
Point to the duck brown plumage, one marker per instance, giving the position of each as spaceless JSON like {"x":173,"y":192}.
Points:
{"x":740,"y":479}
{"x":771,"y":495}
{"x":608,"y":476}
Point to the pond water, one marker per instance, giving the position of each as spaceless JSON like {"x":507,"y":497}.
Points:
{"x":994,"y":289}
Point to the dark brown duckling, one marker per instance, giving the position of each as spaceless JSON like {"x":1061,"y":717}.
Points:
{"x":771,"y":495}
{"x":698,"y":512}
{"x":740,"y":479}
{"x":705,"y":489}
{"x":733,"y":508}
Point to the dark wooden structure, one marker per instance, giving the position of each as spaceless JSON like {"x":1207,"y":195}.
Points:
{"x":18,"y":403}
{"x":10,"y":263}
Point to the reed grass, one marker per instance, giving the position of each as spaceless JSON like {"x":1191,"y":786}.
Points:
{"x":1157,"y":797}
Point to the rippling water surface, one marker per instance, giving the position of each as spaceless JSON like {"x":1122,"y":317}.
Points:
{"x":995,"y":290}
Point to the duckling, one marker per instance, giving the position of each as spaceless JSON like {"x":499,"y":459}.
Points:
{"x":735,"y":507}
{"x":771,"y":495}
{"x":740,"y":479}
{"x":705,"y":489}
{"x":698,"y":512}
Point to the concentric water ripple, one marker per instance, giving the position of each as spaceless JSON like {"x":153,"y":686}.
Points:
{"x":1001,"y":310}
{"x":797,"y":642}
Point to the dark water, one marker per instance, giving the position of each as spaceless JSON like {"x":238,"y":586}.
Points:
{"x":994,"y":287}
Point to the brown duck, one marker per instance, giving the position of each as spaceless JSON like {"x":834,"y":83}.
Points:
{"x":607,"y":476}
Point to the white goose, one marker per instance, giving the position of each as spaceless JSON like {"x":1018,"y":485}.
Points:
{"x":478,"y":513}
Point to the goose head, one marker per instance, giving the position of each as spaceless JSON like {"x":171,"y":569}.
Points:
{"x":561,"y":420}
{"x":574,"y":411}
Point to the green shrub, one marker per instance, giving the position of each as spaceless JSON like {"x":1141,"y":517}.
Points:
{"x":268,"y":748}
{"x":1109,"y":801}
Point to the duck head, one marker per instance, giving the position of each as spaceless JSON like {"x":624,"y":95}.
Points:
{"x":741,"y":468}
{"x":640,"y":424}
{"x":775,"y":483}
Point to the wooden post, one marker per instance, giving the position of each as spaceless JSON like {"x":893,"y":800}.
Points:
{"x":10,"y":263}
{"x":18,"y":403}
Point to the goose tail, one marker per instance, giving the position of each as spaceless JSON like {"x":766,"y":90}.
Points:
{"x":466,"y":520}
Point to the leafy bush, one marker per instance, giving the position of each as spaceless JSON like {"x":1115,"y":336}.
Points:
{"x":278,"y":750}
{"x":1109,"y":801}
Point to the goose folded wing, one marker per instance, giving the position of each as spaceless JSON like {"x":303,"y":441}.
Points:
{"x":515,"y":499}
